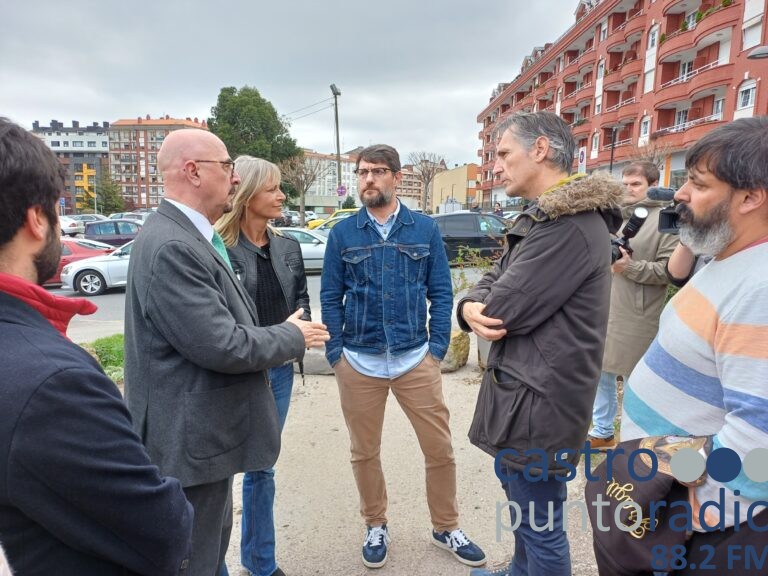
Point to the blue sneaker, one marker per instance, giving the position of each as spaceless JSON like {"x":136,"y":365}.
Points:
{"x":460,"y":546}
{"x":375,"y":546}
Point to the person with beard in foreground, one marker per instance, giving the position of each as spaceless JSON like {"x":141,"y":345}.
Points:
{"x":195,"y":358}
{"x":78,"y":493}
{"x":380,"y":269}
{"x":706,"y":372}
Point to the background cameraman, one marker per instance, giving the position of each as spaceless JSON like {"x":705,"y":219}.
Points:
{"x":638,"y":291}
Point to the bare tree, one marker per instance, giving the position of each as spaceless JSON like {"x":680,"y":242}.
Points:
{"x":651,"y":152}
{"x":301,"y":172}
{"x":426,"y":165}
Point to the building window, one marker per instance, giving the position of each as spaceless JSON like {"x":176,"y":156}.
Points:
{"x":103,"y":144}
{"x":91,"y":144}
{"x":653,"y":36}
{"x":65,"y":144}
{"x":681,"y":117}
{"x":717,"y":108}
{"x":648,"y":81}
{"x":77,"y":143}
{"x":55,"y":143}
{"x":690,"y":19}
{"x":595,"y":140}
{"x":645,"y":127}
{"x":685,"y":70}
{"x":752,"y":35}
{"x":601,"y":69}
{"x":746,"y":96}
{"x":603,"y":31}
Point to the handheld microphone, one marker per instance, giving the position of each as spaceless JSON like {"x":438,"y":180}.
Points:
{"x":660,"y":193}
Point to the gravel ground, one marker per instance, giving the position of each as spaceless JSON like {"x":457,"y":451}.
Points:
{"x":319,"y":529}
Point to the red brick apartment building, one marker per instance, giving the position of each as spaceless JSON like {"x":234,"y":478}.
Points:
{"x":656,"y":74}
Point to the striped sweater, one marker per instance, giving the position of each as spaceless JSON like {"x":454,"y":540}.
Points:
{"x":706,"y":372}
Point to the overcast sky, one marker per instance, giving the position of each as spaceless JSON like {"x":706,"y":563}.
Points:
{"x":414,"y":74}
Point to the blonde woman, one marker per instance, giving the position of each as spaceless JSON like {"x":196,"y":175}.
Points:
{"x":271,"y":268}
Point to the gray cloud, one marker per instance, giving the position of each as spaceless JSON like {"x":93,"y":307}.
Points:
{"x":412,"y":74}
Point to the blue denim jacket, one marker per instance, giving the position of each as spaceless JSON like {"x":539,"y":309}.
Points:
{"x":374,"y":292}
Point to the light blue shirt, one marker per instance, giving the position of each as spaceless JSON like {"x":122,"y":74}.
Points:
{"x":385,"y":365}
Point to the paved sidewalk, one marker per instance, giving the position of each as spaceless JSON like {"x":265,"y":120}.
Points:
{"x":319,"y":529}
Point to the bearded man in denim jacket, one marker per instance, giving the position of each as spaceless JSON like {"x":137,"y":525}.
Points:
{"x":380,"y":269}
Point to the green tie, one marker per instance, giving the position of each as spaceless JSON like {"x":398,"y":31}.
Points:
{"x":218,"y":245}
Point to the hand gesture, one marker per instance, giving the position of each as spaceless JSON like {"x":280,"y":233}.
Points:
{"x":315,"y":334}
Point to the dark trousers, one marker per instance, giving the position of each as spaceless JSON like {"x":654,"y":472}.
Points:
{"x":212,"y":526}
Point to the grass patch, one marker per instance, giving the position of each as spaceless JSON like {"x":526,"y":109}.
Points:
{"x":109,"y":351}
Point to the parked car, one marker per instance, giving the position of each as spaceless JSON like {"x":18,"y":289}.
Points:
{"x":309,"y":215}
{"x":341,"y":212}
{"x":325,"y":227}
{"x":466,"y":229}
{"x":114,"y":232}
{"x":283,"y":221}
{"x":295,"y":217}
{"x":93,"y":276}
{"x":118,"y":215}
{"x":74,"y":250}
{"x":71,"y":227}
{"x":87,"y":217}
{"x":511,"y":215}
{"x":312,"y":246}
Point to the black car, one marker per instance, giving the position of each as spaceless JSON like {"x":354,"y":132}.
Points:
{"x":483,"y":232}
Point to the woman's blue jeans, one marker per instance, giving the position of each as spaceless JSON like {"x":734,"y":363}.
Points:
{"x":257,"y":546}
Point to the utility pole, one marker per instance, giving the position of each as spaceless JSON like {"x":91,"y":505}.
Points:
{"x":336,"y":93}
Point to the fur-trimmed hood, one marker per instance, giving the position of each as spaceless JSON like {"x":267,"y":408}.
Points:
{"x":580,"y":194}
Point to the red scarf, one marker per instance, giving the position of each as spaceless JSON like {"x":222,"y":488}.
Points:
{"x":58,"y":310}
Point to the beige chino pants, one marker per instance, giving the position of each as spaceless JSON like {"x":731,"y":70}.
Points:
{"x":420,"y":395}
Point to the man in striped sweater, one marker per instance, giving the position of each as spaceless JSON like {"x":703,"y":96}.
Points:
{"x":706,"y":372}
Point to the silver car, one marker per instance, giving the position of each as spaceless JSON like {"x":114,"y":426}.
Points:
{"x":312,"y":247}
{"x":92,"y":276}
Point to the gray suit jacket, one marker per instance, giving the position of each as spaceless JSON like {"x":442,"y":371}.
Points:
{"x":195,"y":360}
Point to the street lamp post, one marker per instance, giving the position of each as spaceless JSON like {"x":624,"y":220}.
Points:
{"x":336,"y":93}
{"x":613,"y":147}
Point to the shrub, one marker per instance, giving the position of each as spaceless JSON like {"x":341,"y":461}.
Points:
{"x":683,"y":25}
{"x":109,"y":350}
{"x":727,"y":3}
{"x":662,"y":38}
{"x":699,"y":16}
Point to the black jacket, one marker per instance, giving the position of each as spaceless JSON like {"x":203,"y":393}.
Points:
{"x":78,"y":493}
{"x":285,"y":255}
{"x":552,"y":288}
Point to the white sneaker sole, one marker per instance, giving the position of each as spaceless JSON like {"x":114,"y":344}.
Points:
{"x":374,"y":564}
{"x":443,"y":546}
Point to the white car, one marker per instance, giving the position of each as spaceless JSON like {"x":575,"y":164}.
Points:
{"x":309,"y":215}
{"x":92,"y":276}
{"x":71,"y":227}
{"x":312,"y":247}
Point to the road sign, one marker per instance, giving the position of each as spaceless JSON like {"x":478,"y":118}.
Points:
{"x":582,"y":160}
{"x":62,"y":202}
{"x":341,"y":190}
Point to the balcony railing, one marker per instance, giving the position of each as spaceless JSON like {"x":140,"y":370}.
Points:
{"x":625,"y":142}
{"x":688,"y":75}
{"x":691,"y":123}
{"x":620,"y":104}
{"x":627,"y":21}
{"x":579,"y":89}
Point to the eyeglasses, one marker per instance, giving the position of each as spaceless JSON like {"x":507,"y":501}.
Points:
{"x":377,"y":172}
{"x":225,"y":163}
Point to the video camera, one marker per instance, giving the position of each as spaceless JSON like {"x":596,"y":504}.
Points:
{"x":630,"y":230}
{"x":668,"y":216}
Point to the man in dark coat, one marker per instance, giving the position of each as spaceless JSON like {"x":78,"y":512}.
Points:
{"x":545,"y":308}
{"x":78,"y":493}
{"x":195,"y":358}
